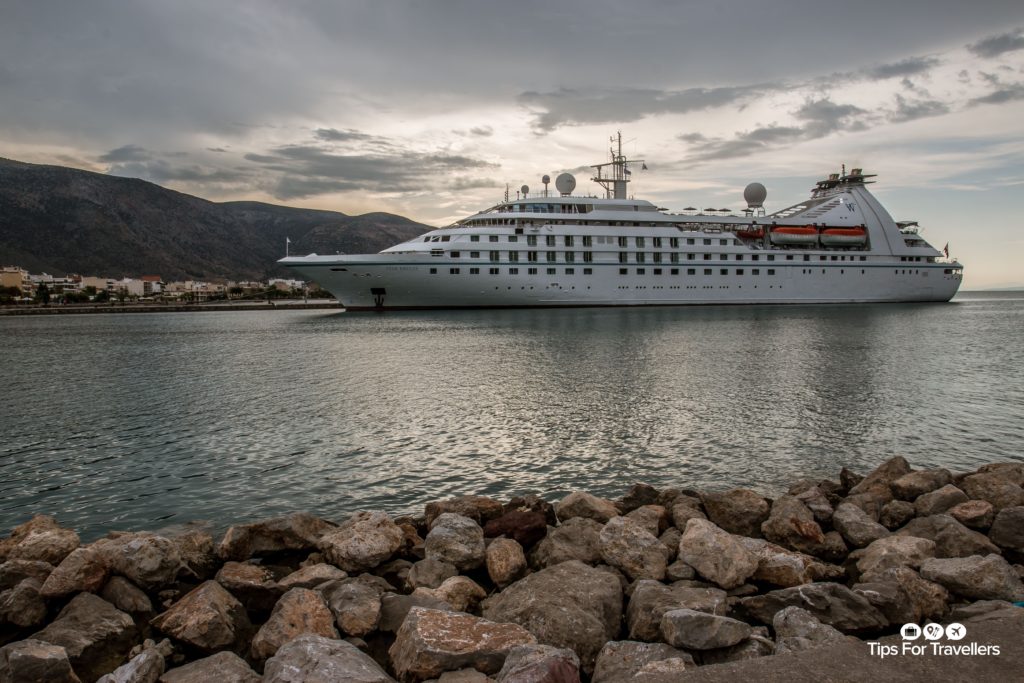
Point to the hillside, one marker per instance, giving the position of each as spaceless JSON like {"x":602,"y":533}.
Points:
{"x":62,"y":220}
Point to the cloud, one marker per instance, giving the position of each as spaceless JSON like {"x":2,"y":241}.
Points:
{"x":919,"y":109}
{"x":335,"y":135}
{"x":567,"y":107}
{"x":160,"y":171}
{"x":1008,"y":93}
{"x":216,"y":149}
{"x":906,"y":67}
{"x":126,"y":153}
{"x":993,"y":46}
{"x":460,"y":184}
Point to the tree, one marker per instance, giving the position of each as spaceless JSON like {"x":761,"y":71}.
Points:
{"x":43,"y":294}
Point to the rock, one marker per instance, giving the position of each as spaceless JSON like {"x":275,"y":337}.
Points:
{"x":848,"y":479}
{"x":312,"y":576}
{"x":431,"y":642}
{"x":299,"y":611}
{"x":577,"y":538}
{"x":977,"y":609}
{"x":976,"y":578}
{"x":35,"y":660}
{"x":952,"y":539}
{"x":781,"y":567}
{"x":889,"y":599}
{"x":126,"y":596}
{"x":1010,"y":471}
{"x":739,"y":511}
{"x":40,"y":539}
{"x":1008,"y":529}
{"x":894,"y":551}
{"x":568,"y":605}
{"x":975,"y":514}
{"x":885,"y":474}
{"x":540,"y":664}
{"x":395,"y":608}
{"x":532,"y":503}
{"x":580,"y":504}
{"x":252,"y":584}
{"x":22,"y":606}
{"x":871,"y":501}
{"x":701,"y":631}
{"x":355,"y":605}
{"x":995,"y":488}
{"x":315,"y":659}
{"x":638,"y":496}
{"x":464,"y":676}
{"x":457,"y":540}
{"x":652,"y":518}
{"x":650,"y":600}
{"x":856,"y":527}
{"x":461,"y":592}
{"x":716,"y":554}
{"x":364,"y":541}
{"x":83,"y":570}
{"x":525,"y":527}
{"x":754,"y":647}
{"x":896,"y":513}
{"x":914,"y":484}
{"x":95,"y":634}
{"x":197,"y":550}
{"x":480,"y":509}
{"x":792,"y":526}
{"x":834,"y":548}
{"x":506,"y":561}
{"x":627,"y":546}
{"x":938,"y":501}
{"x":831,"y":603}
{"x":797,"y":630}
{"x":670,"y":539}
{"x":683,"y":511}
{"x":207,"y":618}
{"x":430,"y":573}
{"x":145,"y":667}
{"x":679,"y":571}
{"x":624,"y":660}
{"x":296,"y":532}
{"x":149,"y":561}
{"x":817,"y":502}
{"x":13,"y":572}
{"x":223,"y":667}
{"x":928,"y":600}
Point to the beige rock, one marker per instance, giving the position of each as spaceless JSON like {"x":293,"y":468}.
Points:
{"x":577,"y":538}
{"x":147,"y":560}
{"x":653,"y":518}
{"x":299,"y":611}
{"x":22,"y":606}
{"x":996,"y":488}
{"x":480,"y":509}
{"x":581,"y":504}
{"x":738,"y":511}
{"x":630,"y":548}
{"x":938,"y":501}
{"x":96,"y":636}
{"x":461,"y":592}
{"x":975,"y":514}
{"x":207,"y":618}
{"x":35,"y":660}
{"x":884,"y":475}
{"x":457,"y":540}
{"x":539,"y":664}
{"x":695,"y":630}
{"x":785,"y":568}
{"x":299,"y":532}
{"x":792,"y":526}
{"x":13,"y":572}
{"x":83,"y":570}
{"x":312,"y":576}
{"x":894,"y":551}
{"x":364,"y":541}
{"x":506,"y":561}
{"x":316,"y":659}
{"x":716,"y":554}
{"x":977,"y":578}
{"x":223,"y":667}
{"x":626,"y":660}
{"x":126,"y":596}
{"x":252,"y":584}
{"x":914,"y":484}
{"x":40,"y":539}
{"x":650,"y":600}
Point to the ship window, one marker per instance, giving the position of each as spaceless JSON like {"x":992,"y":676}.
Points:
{"x":453,"y":271}
{"x":588,"y":241}
{"x":433,"y":271}
{"x":691,"y":271}
{"x":531,"y":256}
{"x":834,"y":257}
{"x":588,"y":271}
{"x":771,"y":271}
{"x":724,"y":271}
{"x":531,"y":240}
{"x":640,"y":257}
{"x":673,"y":242}
{"x":494,"y":271}
{"x":707,"y":257}
{"x":755,"y":271}
{"x":550,"y":240}
{"x":689,"y":240}
{"x":446,"y":238}
{"x":691,"y":256}
{"x":863,"y":258}
{"x":588,"y":257}
{"x":568,"y":240}
{"x":723,"y":242}
{"x":739,"y":257}
{"x":623,"y":271}
{"x":771,"y":257}
{"x":947,"y":271}
{"x":657,"y":271}
{"x":789,"y":257}
{"x":513,"y":238}
{"x":622,"y":242}
{"x":474,"y":271}
{"x":707,"y":271}
{"x":455,"y":254}
{"x":570,"y":256}
{"x":739,"y":271}
{"x":570,"y":271}
{"x":519,"y":231}
{"x":552,"y":271}
{"x":640,"y":242}
{"x":623,"y":257}
{"x":823,"y":258}
{"x":437,"y":252}
{"x":755,"y":257}
{"x":531,"y":271}
{"x":427,"y":238}
{"x":675,"y":271}
{"x":807,"y":257}
{"x":656,"y":241}
{"x":513,"y":256}
{"x":513,"y":271}
{"x":657,"y":257}
{"x":551,"y":256}
{"x":474,"y":238}
{"x":641,"y":271}
{"x":707,"y":241}
{"x":723,"y":257}
{"x":474,"y":254}
{"x":495,"y":255}
{"x":674,"y":257}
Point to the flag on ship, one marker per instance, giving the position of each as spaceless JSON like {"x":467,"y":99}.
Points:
{"x":945,"y":250}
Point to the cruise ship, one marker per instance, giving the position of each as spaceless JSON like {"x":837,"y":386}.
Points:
{"x":556,"y":248}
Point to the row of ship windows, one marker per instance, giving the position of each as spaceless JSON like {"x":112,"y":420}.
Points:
{"x":622,"y":271}
{"x":638,"y":257}
{"x":588,"y":240}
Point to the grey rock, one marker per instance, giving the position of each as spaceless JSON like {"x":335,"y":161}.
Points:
{"x":577,"y":538}
{"x":626,"y":660}
{"x":679,"y":571}
{"x":197,"y":550}
{"x":147,"y":560}
{"x":299,"y":611}
{"x":684,"y":510}
{"x":670,"y":539}
{"x":296,"y":532}
{"x":928,"y":600}
{"x":952,"y":539}
{"x":976,"y":609}
{"x":894,"y":551}
{"x":35,"y":660}
{"x":896,"y":513}
{"x":650,"y":600}
{"x":457,"y":540}
{"x":738,"y":511}
{"x":145,"y":667}
{"x":315,"y":659}
{"x":781,"y":567}
{"x":355,"y":604}
{"x":716,"y":554}
{"x":581,"y":504}
{"x":633,"y":550}
{"x":223,"y":667}
{"x":638,"y":496}
{"x":977,"y":578}
{"x":207,"y":618}
{"x":817,"y":502}
{"x":797,"y":630}
{"x":857,"y":528}
{"x":254,"y":585}
{"x":938,"y":501}
{"x":914,"y":484}
{"x":96,"y":635}
{"x":22,"y":606}
{"x":126,"y":596}
{"x":1008,"y":529}
{"x":653,"y":518}
{"x":888,"y":598}
{"x":430,"y":573}
{"x":754,"y":647}
{"x":540,"y":664}
{"x":695,"y":630}
{"x":831,"y":603}
{"x":364,"y":541}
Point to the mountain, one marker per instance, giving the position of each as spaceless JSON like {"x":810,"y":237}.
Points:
{"x":63,"y":220}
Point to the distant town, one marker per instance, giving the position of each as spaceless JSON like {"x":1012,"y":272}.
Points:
{"x":18,"y":286}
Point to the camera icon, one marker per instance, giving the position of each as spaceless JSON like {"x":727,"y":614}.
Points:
{"x":910,"y":631}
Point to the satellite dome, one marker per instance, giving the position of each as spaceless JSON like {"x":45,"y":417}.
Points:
{"x":525,"y":189}
{"x":546,"y":179}
{"x":755,"y":194}
{"x":565,"y":183}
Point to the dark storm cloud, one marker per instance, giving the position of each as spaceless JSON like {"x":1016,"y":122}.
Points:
{"x":126,"y":153}
{"x":911,"y":66}
{"x":993,"y":46}
{"x":567,"y":107}
{"x":907,"y":110}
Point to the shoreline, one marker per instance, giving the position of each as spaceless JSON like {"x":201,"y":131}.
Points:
{"x":71,"y":309}
{"x":655,"y":586}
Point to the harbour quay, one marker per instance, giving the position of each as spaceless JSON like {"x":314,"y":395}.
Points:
{"x":898,"y":572}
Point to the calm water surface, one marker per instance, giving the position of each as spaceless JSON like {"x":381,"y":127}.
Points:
{"x":142,"y":421}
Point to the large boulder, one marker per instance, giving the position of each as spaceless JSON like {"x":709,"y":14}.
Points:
{"x":311,"y":658}
{"x":650,"y":600}
{"x":540,"y":664}
{"x":683,"y":510}
{"x":197,"y":550}
{"x":653,"y":518}
{"x":832,"y":603}
{"x":568,"y":605}
{"x":995,"y":487}
{"x":938,"y":501}
{"x":577,"y":538}
{"x":857,"y":528}
{"x":638,"y":496}
{"x":797,"y":630}
{"x":312,"y":576}
{"x":96,"y":635}
{"x":525,"y":527}
{"x":430,"y":573}
{"x":13,"y":572}
{"x":506,"y":561}
{"x":976,"y":578}
{"x":1008,"y":529}
{"x":431,"y":642}
{"x":738,"y":511}
{"x":145,"y":667}
{"x":84,"y":570}
{"x":716,"y":554}
{"x":364,"y":541}
{"x":296,"y":532}
{"x":147,"y":560}
{"x":299,"y":611}
{"x":480,"y":509}
{"x":457,"y":540}
{"x":394,"y":608}
{"x":817,"y":502}
{"x":355,"y":604}
{"x":208,"y":618}
{"x":952,"y":539}
{"x":126,"y":596}
{"x":223,"y":667}
{"x":893,"y":551}
{"x":695,"y":630}
{"x":630,"y":548}
{"x":22,"y":606}
{"x":914,"y":484}
{"x":896,"y":513}
{"x":791,"y":525}
{"x":252,"y":584}
{"x":883,"y":475}
{"x":927,"y":600}
{"x":581,"y":504}
{"x":974,"y":514}
{"x":35,"y":660}
{"x":626,"y":660}
{"x":40,"y":539}
{"x":785,"y":568}
{"x":461,"y":592}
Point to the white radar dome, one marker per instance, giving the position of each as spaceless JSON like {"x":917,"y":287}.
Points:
{"x":755,"y":194}
{"x":565,"y":183}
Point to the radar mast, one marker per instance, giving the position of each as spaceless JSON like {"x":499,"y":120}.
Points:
{"x":614,"y":179}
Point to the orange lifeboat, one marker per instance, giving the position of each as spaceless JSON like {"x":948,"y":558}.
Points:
{"x":844,"y":237}
{"x":786,"y":234}
{"x":750,"y":233}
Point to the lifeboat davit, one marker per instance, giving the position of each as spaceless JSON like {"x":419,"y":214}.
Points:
{"x":750,"y":233}
{"x":844,"y":237}
{"x":807,"y":234}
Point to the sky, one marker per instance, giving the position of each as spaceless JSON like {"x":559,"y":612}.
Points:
{"x":429,"y":108}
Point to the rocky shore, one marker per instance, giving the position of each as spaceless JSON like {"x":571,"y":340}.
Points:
{"x":649,"y":588}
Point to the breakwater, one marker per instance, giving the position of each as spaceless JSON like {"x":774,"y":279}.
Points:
{"x":166,"y":308}
{"x":652,"y":586}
